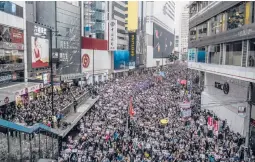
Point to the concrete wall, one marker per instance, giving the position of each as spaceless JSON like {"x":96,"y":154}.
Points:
{"x":225,"y":106}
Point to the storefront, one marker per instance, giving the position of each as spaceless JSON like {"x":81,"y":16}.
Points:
{"x":75,"y":79}
{"x":11,"y":56}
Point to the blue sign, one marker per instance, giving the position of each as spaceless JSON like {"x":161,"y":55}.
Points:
{"x":121,"y":59}
{"x":201,"y":56}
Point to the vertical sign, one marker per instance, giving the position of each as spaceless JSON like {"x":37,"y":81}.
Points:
{"x":112,"y":40}
{"x":132,"y":50}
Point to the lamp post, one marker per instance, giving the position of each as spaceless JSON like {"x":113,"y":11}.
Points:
{"x":51,"y":66}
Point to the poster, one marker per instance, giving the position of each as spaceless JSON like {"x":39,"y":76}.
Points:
{"x":112,"y":40}
{"x":40,"y":52}
{"x":210,"y":122}
{"x":132,"y":50}
{"x":215,"y":127}
{"x":121,"y":59}
{"x":163,"y":42}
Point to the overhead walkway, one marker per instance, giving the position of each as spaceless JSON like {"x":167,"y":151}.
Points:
{"x":22,"y":143}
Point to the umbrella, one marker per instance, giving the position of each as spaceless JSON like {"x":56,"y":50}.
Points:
{"x":184,"y":82}
{"x":164,"y":121}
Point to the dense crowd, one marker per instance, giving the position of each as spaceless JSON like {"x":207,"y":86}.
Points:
{"x":39,"y":110}
{"x":107,"y":133}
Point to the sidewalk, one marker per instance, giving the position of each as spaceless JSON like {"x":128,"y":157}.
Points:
{"x":73,"y":117}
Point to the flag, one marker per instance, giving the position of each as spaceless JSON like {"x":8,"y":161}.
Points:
{"x":131,"y":109}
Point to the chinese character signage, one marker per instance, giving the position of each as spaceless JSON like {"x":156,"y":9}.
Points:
{"x":112,"y":39}
{"x":132,"y":50}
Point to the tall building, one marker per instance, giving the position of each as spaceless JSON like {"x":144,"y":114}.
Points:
{"x":12,"y":48}
{"x":222,"y":47}
{"x":117,"y":11}
{"x":184,"y":31}
{"x":159,"y":31}
{"x":94,"y":21}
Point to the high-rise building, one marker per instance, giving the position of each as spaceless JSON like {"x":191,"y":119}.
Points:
{"x":94,"y":21}
{"x":159,"y":31}
{"x":184,"y":31}
{"x":117,"y":11}
{"x":222,"y":48}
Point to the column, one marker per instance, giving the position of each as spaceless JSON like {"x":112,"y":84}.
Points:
{"x":25,"y":45}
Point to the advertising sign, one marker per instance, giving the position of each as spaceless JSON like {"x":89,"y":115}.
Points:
{"x":37,"y":45}
{"x":40,"y":52}
{"x":163,"y":42}
{"x":121,"y":59}
{"x":46,"y":78}
{"x":132,"y":50}
{"x":11,"y":35}
{"x":112,"y":37}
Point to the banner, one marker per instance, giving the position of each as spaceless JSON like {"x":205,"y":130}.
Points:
{"x":112,"y":35}
{"x":132,"y":50}
{"x":215,"y":127}
{"x":210,"y":122}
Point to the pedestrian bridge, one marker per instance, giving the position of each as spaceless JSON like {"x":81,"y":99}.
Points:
{"x":21,"y":143}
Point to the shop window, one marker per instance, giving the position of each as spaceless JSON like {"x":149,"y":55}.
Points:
{"x":214,"y":56}
{"x":236,"y":16}
{"x":251,"y":57}
{"x":234,"y":53}
{"x":11,"y":56}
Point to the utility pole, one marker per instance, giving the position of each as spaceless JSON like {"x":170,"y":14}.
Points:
{"x":248,"y":121}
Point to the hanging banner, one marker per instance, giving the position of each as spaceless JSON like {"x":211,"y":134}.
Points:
{"x":112,"y":35}
{"x":210,"y":122}
{"x":132,"y":50}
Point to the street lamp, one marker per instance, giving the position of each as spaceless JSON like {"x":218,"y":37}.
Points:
{"x":51,"y":67}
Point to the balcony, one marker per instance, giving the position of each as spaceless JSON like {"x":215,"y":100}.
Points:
{"x":236,"y":72}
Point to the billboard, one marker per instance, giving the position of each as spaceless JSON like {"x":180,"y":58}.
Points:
{"x":132,"y":50}
{"x":163,"y":42}
{"x":38,"y":46}
{"x":40,"y":52}
{"x":121,"y":59}
{"x":11,"y":35}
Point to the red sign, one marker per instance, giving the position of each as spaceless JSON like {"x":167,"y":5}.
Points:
{"x":216,"y":127}
{"x":85,"y":60}
{"x":17,"y":36}
{"x":210,"y":121}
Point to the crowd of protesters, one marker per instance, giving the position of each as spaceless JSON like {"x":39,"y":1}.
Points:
{"x":111,"y":132}
{"x":39,"y":110}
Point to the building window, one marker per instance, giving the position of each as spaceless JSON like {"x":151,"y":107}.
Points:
{"x":193,"y":34}
{"x":236,"y":16}
{"x":11,"y":8}
{"x":201,"y":53}
{"x":251,"y":57}
{"x":214,"y":56}
{"x":234,"y":53}
{"x":202,"y":30}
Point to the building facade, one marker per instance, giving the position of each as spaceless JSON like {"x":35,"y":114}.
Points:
{"x":221,"y":46}
{"x":117,"y":11}
{"x":184,"y":32}
{"x":159,"y":31}
{"x":12,"y":46}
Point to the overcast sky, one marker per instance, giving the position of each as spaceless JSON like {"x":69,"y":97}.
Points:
{"x":179,"y":5}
